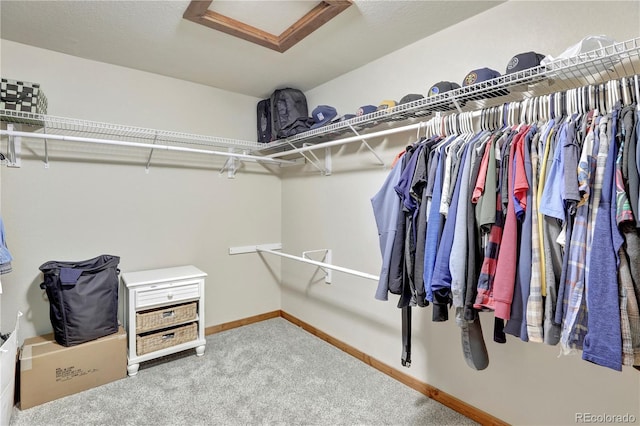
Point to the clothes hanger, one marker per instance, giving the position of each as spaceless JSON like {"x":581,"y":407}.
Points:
{"x":626,"y":93}
{"x":482,"y":116}
{"x":602,"y":97}
{"x":491,"y":124}
{"x":611,"y":95}
{"x":637,"y":91}
{"x":502,"y":115}
{"x":523,"y":111}
{"x":510,"y":114}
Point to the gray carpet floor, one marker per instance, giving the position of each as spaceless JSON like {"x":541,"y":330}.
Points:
{"x":268,"y":373}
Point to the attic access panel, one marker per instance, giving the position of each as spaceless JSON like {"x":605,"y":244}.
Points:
{"x":198,"y":12}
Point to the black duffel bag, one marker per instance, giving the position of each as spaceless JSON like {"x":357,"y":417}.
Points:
{"x":83,"y":298}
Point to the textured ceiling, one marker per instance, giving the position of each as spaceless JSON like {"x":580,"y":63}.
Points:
{"x":152,"y":36}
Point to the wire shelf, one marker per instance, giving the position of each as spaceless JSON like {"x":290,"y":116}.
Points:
{"x":617,"y":61}
{"x":71,"y":127}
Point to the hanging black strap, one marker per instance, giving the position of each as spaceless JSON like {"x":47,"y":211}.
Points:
{"x":406,"y":336}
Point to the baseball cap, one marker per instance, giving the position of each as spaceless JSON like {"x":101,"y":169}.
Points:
{"x":386,"y":105}
{"x":343,"y":118}
{"x":442,"y":87}
{"x":487,"y":90}
{"x":479,"y":75}
{"x":410,"y":98}
{"x":322,"y":115}
{"x":524,"y":61}
{"x":366,"y":109}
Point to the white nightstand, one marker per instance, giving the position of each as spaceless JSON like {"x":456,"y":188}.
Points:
{"x":164,"y":313}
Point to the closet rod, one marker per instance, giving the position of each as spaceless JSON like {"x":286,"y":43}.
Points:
{"x":142,"y":145}
{"x":321,"y":264}
{"x":347,"y":140}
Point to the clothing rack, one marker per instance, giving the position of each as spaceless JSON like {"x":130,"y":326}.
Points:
{"x":271,"y":249}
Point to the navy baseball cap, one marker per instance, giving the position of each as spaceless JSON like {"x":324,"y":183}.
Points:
{"x":323,"y":114}
{"x":479,"y":75}
{"x":410,"y":98}
{"x":442,"y":87}
{"x":524,"y":61}
{"x":366,"y":109}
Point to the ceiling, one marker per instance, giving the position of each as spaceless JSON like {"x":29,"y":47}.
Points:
{"x":153,"y":36}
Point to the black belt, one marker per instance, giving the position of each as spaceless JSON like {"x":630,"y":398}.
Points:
{"x":406,"y":336}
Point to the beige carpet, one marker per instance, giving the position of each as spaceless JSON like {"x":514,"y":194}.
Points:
{"x":268,"y":373}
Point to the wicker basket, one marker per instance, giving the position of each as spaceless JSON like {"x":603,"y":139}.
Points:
{"x":165,"y":317}
{"x":166,"y":338}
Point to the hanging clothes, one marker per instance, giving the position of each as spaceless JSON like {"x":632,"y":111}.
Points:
{"x":534,"y":222}
{"x":5,"y":256}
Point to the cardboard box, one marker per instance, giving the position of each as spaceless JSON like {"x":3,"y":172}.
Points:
{"x":50,"y":371}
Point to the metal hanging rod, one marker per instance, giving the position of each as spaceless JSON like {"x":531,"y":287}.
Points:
{"x":259,"y":249}
{"x":343,"y":141}
{"x":248,"y":157}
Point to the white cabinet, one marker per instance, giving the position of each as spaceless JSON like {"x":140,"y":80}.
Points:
{"x":164,"y":313}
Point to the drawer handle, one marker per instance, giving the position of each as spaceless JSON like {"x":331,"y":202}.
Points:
{"x":168,"y":314}
{"x":169,"y":296}
{"x":168,"y":336}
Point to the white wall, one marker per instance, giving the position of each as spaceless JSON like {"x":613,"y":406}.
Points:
{"x":525,"y":383}
{"x":107,"y":204}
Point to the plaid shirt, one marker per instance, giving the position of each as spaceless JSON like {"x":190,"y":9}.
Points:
{"x":629,"y":314}
{"x":484,"y":297}
{"x":574,"y":321}
{"x":623,"y":206}
{"x":535,"y":309}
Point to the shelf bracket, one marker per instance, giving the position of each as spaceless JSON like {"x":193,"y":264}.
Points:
{"x":327,"y":161}
{"x":46,"y":149}
{"x":328,"y":164}
{"x":456,"y":103}
{"x":231,"y":165}
{"x":146,"y":168}
{"x":309,"y":160}
{"x":325,"y":259}
{"x":365,"y":143}
{"x":14,"y":147}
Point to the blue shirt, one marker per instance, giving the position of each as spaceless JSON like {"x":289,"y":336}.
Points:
{"x":434,"y":224}
{"x":386,"y":207}
{"x":603,"y":341}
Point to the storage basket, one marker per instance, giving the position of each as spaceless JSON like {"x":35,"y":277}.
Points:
{"x":165,"y":317}
{"x":166,"y":338}
{"x":22,"y":96}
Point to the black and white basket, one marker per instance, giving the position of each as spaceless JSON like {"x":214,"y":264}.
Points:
{"x":22,"y":96}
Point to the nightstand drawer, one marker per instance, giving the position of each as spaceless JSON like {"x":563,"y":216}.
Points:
{"x":164,"y":295}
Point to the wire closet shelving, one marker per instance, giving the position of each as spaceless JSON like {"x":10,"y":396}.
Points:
{"x":619,"y":60}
